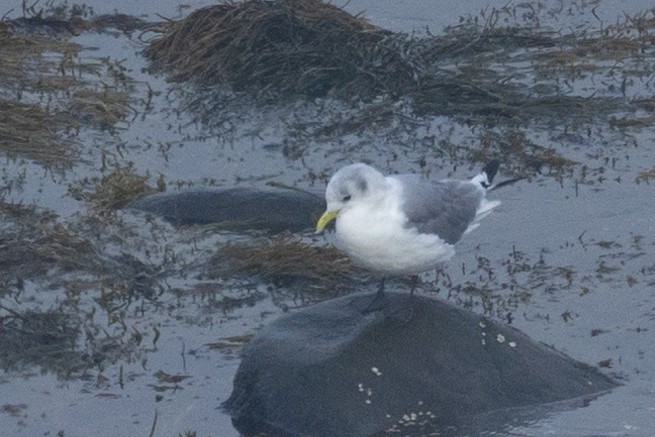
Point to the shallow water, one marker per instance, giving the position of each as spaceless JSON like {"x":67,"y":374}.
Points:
{"x":582,"y":248}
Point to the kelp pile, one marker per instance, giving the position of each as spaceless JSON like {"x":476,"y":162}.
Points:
{"x":291,"y":47}
{"x":307,"y":48}
{"x":492,"y":70}
{"x":35,"y":243}
{"x":286,"y":261}
{"x":37,"y":251}
{"x":29,"y":129}
{"x":115,"y":190}
{"x":48,"y":93}
{"x":47,"y":339}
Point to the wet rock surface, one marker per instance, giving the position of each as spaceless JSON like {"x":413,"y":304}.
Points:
{"x":362,"y":365}
{"x":238,"y":208}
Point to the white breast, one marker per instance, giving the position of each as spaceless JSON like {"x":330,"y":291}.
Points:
{"x":373,"y":234}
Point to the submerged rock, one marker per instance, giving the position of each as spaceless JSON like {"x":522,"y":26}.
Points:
{"x":359,"y":366}
{"x":238,"y":208}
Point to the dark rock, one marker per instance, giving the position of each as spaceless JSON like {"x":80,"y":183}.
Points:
{"x":340,"y":368}
{"x":238,"y":208}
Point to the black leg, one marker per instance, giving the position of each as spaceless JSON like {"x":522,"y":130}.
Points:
{"x":377,"y":301}
{"x":414,"y":284}
{"x":381,"y":286}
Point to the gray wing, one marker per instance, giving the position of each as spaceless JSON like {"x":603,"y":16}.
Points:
{"x":445,"y":208}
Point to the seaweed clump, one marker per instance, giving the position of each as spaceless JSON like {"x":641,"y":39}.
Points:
{"x":48,"y":92}
{"x":47,"y":339}
{"x":288,"y":262}
{"x":292,"y":47}
{"x":30,"y":129}
{"x":114,"y":190}
{"x":489,"y":71}
{"x":33,"y":242}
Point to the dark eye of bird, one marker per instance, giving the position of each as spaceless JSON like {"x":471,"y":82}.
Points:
{"x":346,"y":198}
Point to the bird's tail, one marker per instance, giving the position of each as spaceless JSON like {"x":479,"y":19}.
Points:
{"x":484,"y":180}
{"x":486,"y":176}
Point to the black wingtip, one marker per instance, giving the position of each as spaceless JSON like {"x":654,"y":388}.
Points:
{"x":490,"y":169}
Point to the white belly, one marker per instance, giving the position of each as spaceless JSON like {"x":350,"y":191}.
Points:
{"x":378,"y":241}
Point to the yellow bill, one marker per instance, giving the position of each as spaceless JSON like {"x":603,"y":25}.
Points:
{"x":326,"y":218}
